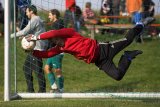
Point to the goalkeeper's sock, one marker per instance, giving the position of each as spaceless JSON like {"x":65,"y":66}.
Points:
{"x":60,"y":82}
{"x":51,"y":78}
{"x":139,"y":24}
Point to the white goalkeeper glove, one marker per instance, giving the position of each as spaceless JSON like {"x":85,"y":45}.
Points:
{"x":31,"y":38}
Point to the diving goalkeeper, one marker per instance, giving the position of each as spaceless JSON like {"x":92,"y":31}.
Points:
{"x":69,"y":41}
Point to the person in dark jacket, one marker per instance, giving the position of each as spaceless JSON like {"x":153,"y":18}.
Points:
{"x":116,"y":9}
{"x":1,"y":13}
{"x":147,"y":8}
{"x":21,"y":6}
{"x":1,"y":19}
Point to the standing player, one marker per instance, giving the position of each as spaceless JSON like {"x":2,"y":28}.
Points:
{"x":56,"y":61}
{"x":35,"y":26}
{"x":91,"y":51}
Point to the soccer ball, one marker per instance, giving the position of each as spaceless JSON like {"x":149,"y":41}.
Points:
{"x":27,"y":45}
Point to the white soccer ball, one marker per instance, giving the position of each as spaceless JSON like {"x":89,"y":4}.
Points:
{"x":27,"y":45}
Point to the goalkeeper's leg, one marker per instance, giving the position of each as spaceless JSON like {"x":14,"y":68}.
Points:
{"x":116,"y":46}
{"x":108,"y":51}
{"x":117,"y":73}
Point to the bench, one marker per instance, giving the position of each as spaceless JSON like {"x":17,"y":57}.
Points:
{"x":92,"y":27}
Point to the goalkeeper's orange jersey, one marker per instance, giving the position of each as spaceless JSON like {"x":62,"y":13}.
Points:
{"x":81,"y":47}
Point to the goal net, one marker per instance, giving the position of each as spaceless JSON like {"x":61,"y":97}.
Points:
{"x":80,"y":80}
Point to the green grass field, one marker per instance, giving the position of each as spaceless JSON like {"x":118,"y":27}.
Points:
{"x":142,"y":76}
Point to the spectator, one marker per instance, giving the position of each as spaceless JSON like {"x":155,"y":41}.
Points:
{"x":88,"y":12}
{"x":1,"y":19}
{"x":148,"y":8}
{"x":148,"y":11}
{"x":123,"y":8}
{"x":35,"y":26}
{"x":79,"y":18}
{"x":134,"y":9}
{"x":55,"y":62}
{"x":70,"y":19}
{"x":106,"y":10}
{"x":89,"y":16}
{"x":1,"y":14}
{"x":116,"y":9}
{"x":21,"y":9}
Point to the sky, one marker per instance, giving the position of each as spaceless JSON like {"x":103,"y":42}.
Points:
{"x":60,"y":4}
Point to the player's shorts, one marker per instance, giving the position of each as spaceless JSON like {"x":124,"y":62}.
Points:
{"x":56,"y":61}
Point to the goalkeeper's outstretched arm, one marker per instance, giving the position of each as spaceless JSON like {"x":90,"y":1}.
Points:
{"x":47,"y":54}
{"x":64,"y":33}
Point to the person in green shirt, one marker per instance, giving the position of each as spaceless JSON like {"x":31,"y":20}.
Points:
{"x":55,"y":63}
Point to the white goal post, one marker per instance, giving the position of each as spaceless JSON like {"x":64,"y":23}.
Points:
{"x":7,"y":84}
{"x":128,"y":95}
{"x":6,"y":52}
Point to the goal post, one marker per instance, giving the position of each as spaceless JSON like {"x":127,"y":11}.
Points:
{"x":14,"y":58}
{"x":129,"y":95}
{"x":6,"y":52}
{"x":10,"y":26}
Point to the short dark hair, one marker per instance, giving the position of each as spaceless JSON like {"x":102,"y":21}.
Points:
{"x":32,"y":8}
{"x":88,"y":5}
{"x":55,"y":12}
